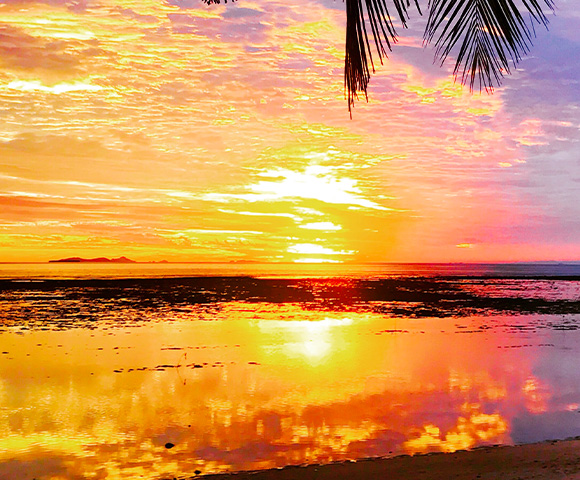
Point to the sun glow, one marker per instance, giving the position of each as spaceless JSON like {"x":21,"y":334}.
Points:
{"x":316,"y":260}
{"x":37,"y":86}
{"x":313,"y":249}
{"x":325,"y":226}
{"x":316,"y":182}
{"x":325,"y":184}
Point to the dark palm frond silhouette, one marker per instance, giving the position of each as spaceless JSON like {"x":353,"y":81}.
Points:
{"x":490,"y":33}
{"x":485,"y":36}
{"x":358,"y":51}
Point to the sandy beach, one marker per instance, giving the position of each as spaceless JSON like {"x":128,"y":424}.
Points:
{"x":555,"y":460}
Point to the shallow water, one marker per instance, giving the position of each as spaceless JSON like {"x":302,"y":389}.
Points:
{"x":96,"y":378}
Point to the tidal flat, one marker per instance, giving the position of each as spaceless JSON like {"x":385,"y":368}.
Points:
{"x":176,"y":378}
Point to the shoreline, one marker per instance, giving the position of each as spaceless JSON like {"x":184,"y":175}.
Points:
{"x":548,"y":460}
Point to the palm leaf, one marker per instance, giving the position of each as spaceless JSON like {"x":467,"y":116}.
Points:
{"x":358,"y":55}
{"x":487,"y":36}
{"x":484,"y":35}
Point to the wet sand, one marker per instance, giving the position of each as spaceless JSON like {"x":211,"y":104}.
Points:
{"x":555,"y":460}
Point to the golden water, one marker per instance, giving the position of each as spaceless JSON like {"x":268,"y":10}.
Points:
{"x":238,"y":385}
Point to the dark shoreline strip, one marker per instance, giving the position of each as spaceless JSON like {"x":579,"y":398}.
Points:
{"x":402,"y":296}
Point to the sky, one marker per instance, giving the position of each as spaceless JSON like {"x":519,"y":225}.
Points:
{"x":170,"y":129}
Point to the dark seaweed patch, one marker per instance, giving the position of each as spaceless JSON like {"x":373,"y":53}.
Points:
{"x":60,"y":304}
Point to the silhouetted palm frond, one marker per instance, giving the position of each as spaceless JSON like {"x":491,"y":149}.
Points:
{"x":489,"y":33}
{"x":358,"y":51}
{"x":485,"y":35}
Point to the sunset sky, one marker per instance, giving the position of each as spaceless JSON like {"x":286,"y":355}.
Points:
{"x":169,"y":129}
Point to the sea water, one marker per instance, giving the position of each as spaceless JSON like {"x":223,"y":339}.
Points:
{"x":162,"y":377}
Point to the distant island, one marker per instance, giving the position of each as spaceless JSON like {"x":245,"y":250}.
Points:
{"x":93,"y":260}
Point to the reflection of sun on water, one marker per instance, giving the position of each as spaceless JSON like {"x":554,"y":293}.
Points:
{"x":311,"y":341}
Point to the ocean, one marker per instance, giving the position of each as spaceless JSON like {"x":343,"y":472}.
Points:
{"x":35,"y":271}
{"x":164,"y":370}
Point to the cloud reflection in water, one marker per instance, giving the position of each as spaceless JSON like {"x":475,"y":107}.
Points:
{"x":256,"y":385}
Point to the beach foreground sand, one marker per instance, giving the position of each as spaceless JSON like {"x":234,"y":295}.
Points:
{"x":540,"y":461}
